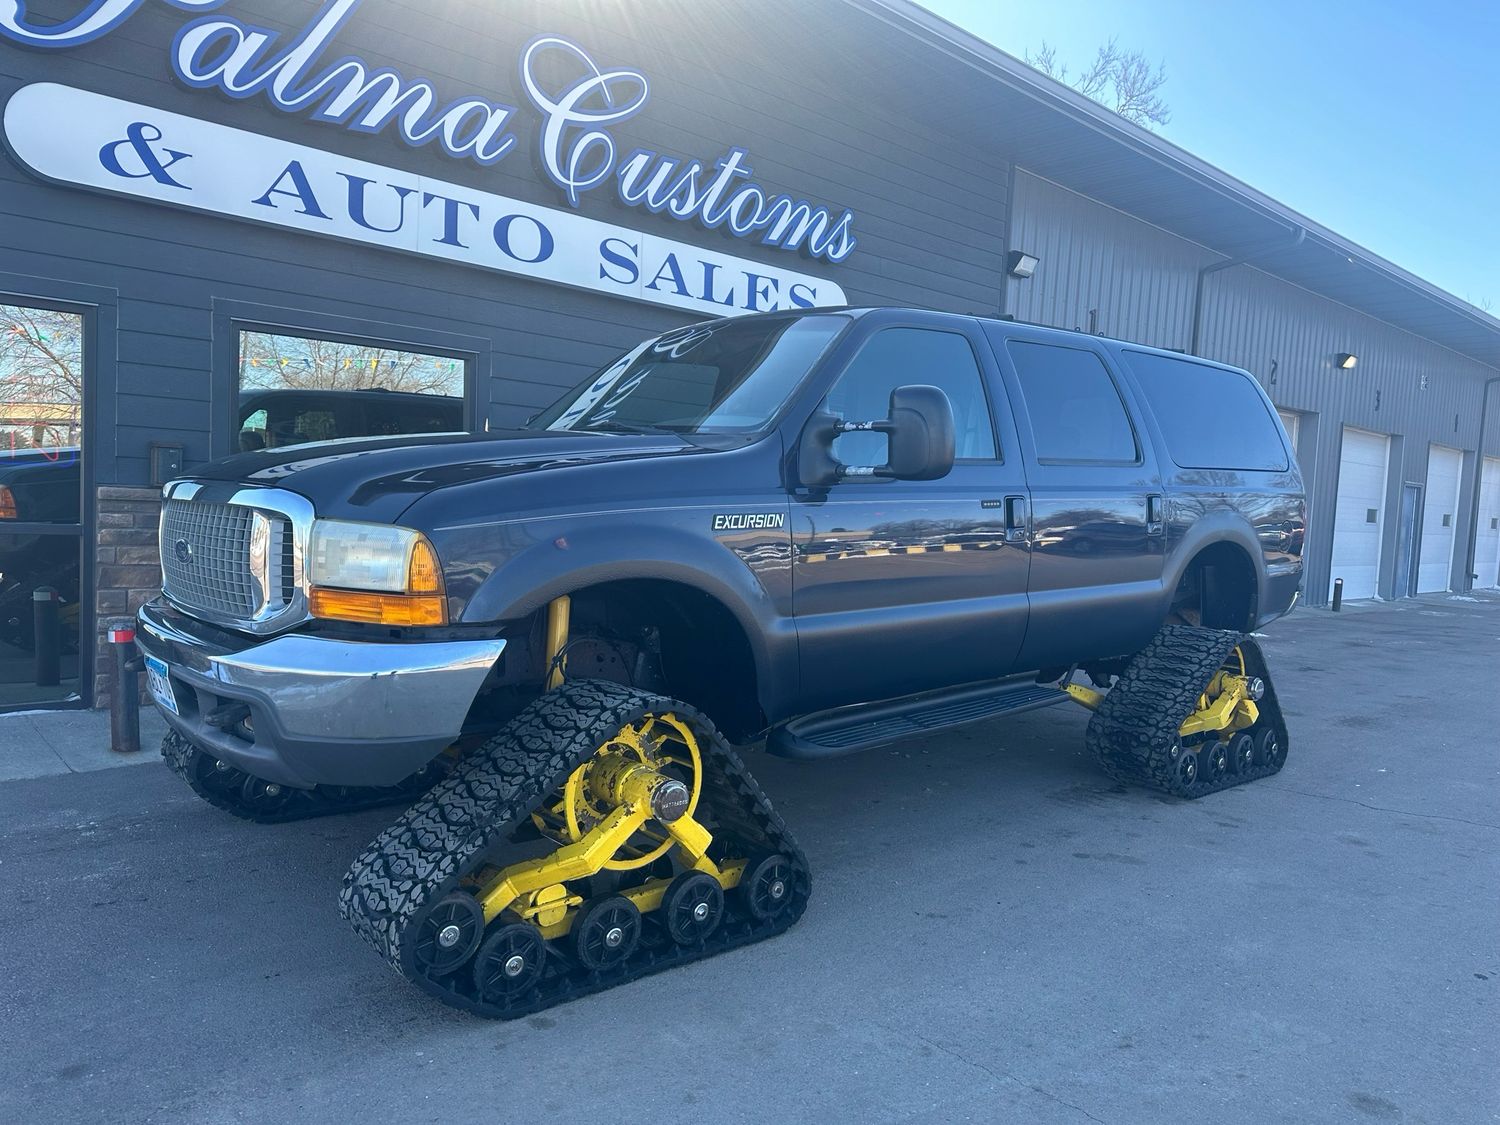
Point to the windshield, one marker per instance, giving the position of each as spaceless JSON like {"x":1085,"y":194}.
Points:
{"x":727,"y":377}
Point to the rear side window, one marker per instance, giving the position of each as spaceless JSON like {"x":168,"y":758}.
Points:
{"x":1077,"y":415}
{"x":1210,"y":418}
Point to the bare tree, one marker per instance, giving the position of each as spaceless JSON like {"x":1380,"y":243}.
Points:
{"x":1483,"y":304}
{"x":301,"y":363}
{"x":41,"y":377}
{"x":1124,"y":81}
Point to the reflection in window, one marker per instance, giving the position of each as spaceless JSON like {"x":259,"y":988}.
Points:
{"x":297,"y":389}
{"x":41,"y":383}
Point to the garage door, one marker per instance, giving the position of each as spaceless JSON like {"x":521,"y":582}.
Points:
{"x":1439,"y":519}
{"x":1487,"y":550}
{"x":1359,"y":515}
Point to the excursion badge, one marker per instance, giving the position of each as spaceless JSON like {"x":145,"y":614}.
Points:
{"x":749,"y":521}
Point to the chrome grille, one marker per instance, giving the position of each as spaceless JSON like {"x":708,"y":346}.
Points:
{"x":219,"y":559}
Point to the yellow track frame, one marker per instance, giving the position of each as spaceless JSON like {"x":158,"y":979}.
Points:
{"x":614,"y":792}
{"x":1224,"y":707}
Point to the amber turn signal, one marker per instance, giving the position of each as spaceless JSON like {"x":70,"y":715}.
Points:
{"x":378,"y":609}
{"x":423,"y":575}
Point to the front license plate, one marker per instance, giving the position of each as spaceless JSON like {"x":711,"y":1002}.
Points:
{"x":160,"y":684}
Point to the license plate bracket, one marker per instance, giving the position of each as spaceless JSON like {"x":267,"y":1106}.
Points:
{"x":159,"y":682}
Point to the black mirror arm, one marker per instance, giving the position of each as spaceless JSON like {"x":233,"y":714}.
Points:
{"x":865,"y":472}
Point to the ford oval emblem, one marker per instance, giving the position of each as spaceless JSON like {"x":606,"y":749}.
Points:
{"x":183,"y":550}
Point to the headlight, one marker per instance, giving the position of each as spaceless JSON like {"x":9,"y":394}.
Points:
{"x":374,"y":573}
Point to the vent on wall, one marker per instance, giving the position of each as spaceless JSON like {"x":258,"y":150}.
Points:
{"x":1371,"y":515}
{"x":1447,"y":519}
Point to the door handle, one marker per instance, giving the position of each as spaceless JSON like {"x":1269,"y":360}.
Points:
{"x":1017,"y":518}
{"x":1156,"y":514}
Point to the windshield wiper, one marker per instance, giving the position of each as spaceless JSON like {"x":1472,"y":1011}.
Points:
{"x":696,"y":438}
{"x":612,"y":426}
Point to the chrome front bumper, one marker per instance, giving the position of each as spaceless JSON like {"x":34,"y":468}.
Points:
{"x":322,"y":711}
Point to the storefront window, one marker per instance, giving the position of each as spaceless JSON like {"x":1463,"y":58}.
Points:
{"x":41,"y":427}
{"x":297,"y":389}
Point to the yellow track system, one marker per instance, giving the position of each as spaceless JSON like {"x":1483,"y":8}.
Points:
{"x":1227,"y":705}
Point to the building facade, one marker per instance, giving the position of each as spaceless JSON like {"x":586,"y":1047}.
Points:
{"x":216,"y":212}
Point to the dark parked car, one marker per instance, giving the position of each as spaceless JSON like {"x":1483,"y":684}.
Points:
{"x":272,"y":419}
{"x":38,"y":486}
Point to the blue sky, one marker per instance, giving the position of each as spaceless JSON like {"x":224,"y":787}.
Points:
{"x":1378,"y":119}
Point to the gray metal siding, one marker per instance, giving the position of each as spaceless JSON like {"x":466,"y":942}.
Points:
{"x":1142,"y":280}
{"x":1251,"y":318}
{"x":1139,"y":278}
{"x":929,"y":216}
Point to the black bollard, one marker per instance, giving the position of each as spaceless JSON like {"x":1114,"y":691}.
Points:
{"x":1338,"y":594}
{"x":125,"y":700}
{"x":46,"y":636}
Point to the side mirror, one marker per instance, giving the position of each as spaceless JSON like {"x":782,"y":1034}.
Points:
{"x":921,"y":434}
{"x":919,"y":430}
{"x":816,"y":467}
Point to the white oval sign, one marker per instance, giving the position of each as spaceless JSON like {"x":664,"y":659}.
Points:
{"x":89,"y":140}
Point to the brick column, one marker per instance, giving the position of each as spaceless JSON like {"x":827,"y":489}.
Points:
{"x":126,"y":564}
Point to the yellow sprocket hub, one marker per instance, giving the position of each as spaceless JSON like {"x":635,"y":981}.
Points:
{"x":662,"y":743}
{"x":1228,"y":703}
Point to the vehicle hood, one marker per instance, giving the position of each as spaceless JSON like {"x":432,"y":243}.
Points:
{"x":376,"y":479}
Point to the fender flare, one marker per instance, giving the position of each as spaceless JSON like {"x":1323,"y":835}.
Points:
{"x":1210,"y":530}
{"x":596,"y":554}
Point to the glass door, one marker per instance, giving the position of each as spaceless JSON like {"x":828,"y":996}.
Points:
{"x":1406,"y":541}
{"x":41,"y":494}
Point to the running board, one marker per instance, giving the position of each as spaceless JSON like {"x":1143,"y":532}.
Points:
{"x":847,"y":730}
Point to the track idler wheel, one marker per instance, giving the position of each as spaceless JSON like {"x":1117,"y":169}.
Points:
{"x":510,"y":962}
{"x":1242,"y":753}
{"x":606,"y":932}
{"x":766,"y":887}
{"x":218,"y":776}
{"x":1215,"y":762}
{"x":693,"y":907}
{"x":1185,"y":768}
{"x":265,"y":798}
{"x":1270,"y":751}
{"x":450,"y":933}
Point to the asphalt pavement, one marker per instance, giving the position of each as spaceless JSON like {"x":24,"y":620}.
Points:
{"x":997,"y":933}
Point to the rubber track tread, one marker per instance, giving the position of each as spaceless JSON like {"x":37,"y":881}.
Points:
{"x":196,"y":768}
{"x":1135,"y":729}
{"x":454,"y":828}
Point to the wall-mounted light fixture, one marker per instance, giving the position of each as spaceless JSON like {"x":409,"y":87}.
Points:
{"x":1346,"y":360}
{"x":1021,"y":264}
